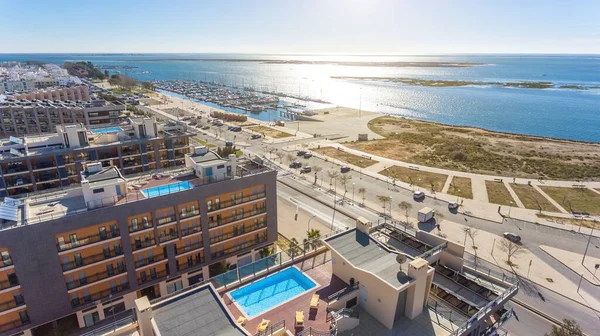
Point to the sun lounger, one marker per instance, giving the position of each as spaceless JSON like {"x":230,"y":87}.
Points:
{"x":263,"y":325}
{"x":314,"y":301}
{"x":299,"y":319}
{"x":241,"y":320}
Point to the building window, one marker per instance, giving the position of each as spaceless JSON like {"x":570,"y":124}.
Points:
{"x":97,"y":191}
{"x":134,"y":224}
{"x":174,"y":286}
{"x":220,"y":166}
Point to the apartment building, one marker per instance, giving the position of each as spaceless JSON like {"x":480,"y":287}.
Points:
{"x":23,"y":117}
{"x":85,"y":253}
{"x":77,"y":92}
{"x":31,"y":164}
{"x":17,"y":85}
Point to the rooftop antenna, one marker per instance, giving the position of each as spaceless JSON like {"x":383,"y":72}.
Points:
{"x":401,"y":259}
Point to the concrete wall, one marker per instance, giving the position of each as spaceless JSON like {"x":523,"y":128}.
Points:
{"x":341,"y":303}
{"x":38,"y":265}
{"x":380,"y":299}
{"x":451,"y":256}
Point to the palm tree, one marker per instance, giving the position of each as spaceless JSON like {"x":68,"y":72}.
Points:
{"x":312,"y":238}
{"x":362,"y":191}
{"x":384,"y":200}
{"x":332,"y":175}
{"x":405,"y":206}
{"x":344,"y":179}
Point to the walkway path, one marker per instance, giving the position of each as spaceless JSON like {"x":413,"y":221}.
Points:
{"x":513,"y":194}
{"x":550,"y":199}
{"x":447,"y":184}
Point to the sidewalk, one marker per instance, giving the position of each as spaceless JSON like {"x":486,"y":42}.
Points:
{"x":573,"y":261}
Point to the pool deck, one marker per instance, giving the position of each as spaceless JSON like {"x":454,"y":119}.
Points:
{"x":134,"y":195}
{"x":327,"y":285}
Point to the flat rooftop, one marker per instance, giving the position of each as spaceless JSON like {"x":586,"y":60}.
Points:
{"x":196,"y":312}
{"x":365,"y":253}
{"x":207,"y":158}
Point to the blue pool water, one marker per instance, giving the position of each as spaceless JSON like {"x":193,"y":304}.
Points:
{"x":167,"y":189}
{"x":263,"y":295}
{"x":107,"y":130}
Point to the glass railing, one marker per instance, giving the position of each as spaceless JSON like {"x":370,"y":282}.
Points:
{"x":191,"y":230}
{"x":166,"y":220}
{"x":189,"y":214}
{"x":187,"y":248}
{"x":191,"y":263}
{"x":6,"y":262}
{"x":76,"y":302}
{"x":234,"y":249}
{"x":16,"y":302}
{"x":95,"y":278}
{"x":143,"y":244}
{"x":168,"y":237}
{"x":139,"y":227}
{"x":67,"y":245}
{"x":149,"y":260}
{"x":91,"y":259}
{"x":229,"y":203}
{"x":237,"y":233}
{"x":157,"y":275}
{"x":13,"y":324}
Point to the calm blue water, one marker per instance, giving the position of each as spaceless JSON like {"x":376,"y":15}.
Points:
{"x":268,"y":292}
{"x":107,"y":130}
{"x":167,"y":189}
{"x":558,"y":113}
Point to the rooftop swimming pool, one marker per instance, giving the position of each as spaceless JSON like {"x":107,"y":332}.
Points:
{"x":107,"y":130}
{"x":267,"y":293}
{"x":166,"y":189}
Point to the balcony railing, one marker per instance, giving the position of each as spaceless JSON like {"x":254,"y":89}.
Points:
{"x":230,"y":203}
{"x":67,"y":245}
{"x":95,"y":278}
{"x":234,"y":249}
{"x":76,"y":302}
{"x":236,"y":233}
{"x":6,"y":262}
{"x":157,"y":275}
{"x":13,"y":324}
{"x":166,"y":220}
{"x":143,"y":244}
{"x":8,"y":284}
{"x":149,"y":260}
{"x":190,"y":263}
{"x":91,"y":259}
{"x":183,"y":249}
{"x":189,"y":214}
{"x":16,"y":302}
{"x":191,"y":230}
{"x":170,"y":236}
{"x":143,"y":226}
{"x":231,"y":219}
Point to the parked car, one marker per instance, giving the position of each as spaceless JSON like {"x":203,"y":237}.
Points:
{"x":418,"y":194}
{"x":452,"y":206}
{"x":307,"y":155}
{"x":230,"y":127}
{"x":344,"y":169}
{"x":306,"y":169}
{"x":205,"y":127}
{"x":255,"y":136}
{"x":301,"y":153}
{"x":513,"y":237}
{"x":229,"y":144}
{"x":295,"y":164}
{"x":236,"y":129}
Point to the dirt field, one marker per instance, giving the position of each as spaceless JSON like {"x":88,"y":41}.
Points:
{"x":480,"y":151}
{"x":416,"y":177}
{"x":498,"y":194}
{"x":531,"y":198}
{"x":356,"y":160}
{"x":271,"y":132}
{"x":461,"y":187}
{"x":575,"y":199}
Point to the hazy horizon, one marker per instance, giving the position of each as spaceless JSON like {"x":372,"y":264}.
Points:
{"x":326,"y":27}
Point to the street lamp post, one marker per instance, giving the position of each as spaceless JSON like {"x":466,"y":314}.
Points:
{"x":465,"y":242}
{"x":308,"y":225}
{"x":353,"y":184}
{"x":588,"y":242}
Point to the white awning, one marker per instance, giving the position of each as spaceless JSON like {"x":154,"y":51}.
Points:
{"x":8,"y":212}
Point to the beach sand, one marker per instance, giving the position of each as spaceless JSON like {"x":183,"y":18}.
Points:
{"x":338,"y":123}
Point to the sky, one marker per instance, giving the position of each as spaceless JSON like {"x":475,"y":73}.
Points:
{"x":397,"y":27}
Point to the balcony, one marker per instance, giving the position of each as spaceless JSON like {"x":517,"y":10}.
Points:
{"x":158,"y":275}
{"x":76,"y":302}
{"x":43,"y":177}
{"x":95,"y":278}
{"x":68,"y":245}
{"x":190,"y":263}
{"x":15,"y":169}
{"x":145,"y":225}
{"x":9,"y":283}
{"x":149,"y":260}
{"x":230,"y":203}
{"x":166,"y":220}
{"x":237,"y":248}
{"x":231,"y":219}
{"x":236,"y":233}
{"x":91,"y":259}
{"x":143,"y":244}
{"x":19,"y":182}
{"x":186,"y":248}
{"x":6,"y":262}
{"x":13,"y":324}
{"x":187,"y":214}
{"x":16,"y":302}
{"x":191,"y":230}
{"x":170,"y":236}
{"x":43,"y":165}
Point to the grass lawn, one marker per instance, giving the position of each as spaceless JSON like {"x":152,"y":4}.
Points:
{"x":207,"y":144}
{"x":352,"y":159}
{"x":498,"y":194}
{"x":575,"y":199}
{"x":419,"y":178}
{"x":268,"y":131}
{"x":239,"y":153}
{"x":572,"y":221}
{"x":528,"y":196}
{"x":461,"y":187}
